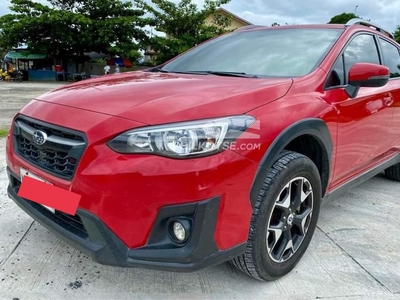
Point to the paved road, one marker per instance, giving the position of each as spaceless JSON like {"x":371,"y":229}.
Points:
{"x":354,"y":254}
{"x":14,"y":95}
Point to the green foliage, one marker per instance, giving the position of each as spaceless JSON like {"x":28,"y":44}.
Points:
{"x":396,"y":34}
{"x":72,"y":27}
{"x":183,"y":23}
{"x":3,"y":133}
{"x":275,"y":24}
{"x":343,"y":18}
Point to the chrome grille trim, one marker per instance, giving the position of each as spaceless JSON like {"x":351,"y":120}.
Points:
{"x":59,"y":155}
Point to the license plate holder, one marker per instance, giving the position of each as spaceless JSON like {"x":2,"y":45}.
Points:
{"x":24,"y":172}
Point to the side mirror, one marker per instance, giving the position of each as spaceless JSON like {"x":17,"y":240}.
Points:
{"x":366,"y":75}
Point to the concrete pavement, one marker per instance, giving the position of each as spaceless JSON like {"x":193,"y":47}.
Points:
{"x":354,"y":253}
{"x":14,"y":95}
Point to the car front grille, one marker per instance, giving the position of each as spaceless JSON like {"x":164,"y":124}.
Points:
{"x":58,"y":153}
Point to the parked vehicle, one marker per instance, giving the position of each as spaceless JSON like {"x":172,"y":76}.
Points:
{"x":224,"y":153}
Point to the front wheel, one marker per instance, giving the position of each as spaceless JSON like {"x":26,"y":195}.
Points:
{"x":284,"y":218}
{"x":393,"y":172}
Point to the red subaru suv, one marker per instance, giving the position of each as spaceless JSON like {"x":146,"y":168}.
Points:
{"x":224,"y":153}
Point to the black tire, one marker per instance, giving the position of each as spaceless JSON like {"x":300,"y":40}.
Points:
{"x":393,"y":172}
{"x":1,"y":78}
{"x":257,"y":261}
{"x":18,"y":78}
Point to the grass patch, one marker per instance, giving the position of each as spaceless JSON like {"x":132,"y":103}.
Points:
{"x":3,"y":133}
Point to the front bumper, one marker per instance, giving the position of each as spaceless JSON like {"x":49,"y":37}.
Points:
{"x":128,"y":192}
{"x":90,"y":235}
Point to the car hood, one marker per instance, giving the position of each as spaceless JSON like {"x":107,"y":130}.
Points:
{"x":155,"y":98}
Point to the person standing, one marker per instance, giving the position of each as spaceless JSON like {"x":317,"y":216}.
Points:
{"x":107,"y":70}
{"x":10,"y":68}
{"x":117,"y":70}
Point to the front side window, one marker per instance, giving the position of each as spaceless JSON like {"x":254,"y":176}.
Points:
{"x":337,"y":76}
{"x":272,"y":52}
{"x":391,"y":57}
{"x":362,"y":49}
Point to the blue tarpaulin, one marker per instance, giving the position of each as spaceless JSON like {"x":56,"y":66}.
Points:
{"x":120,"y":61}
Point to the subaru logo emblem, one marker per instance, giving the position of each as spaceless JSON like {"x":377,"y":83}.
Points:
{"x":39,"y":137}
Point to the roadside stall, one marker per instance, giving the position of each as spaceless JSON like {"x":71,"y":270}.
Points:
{"x":32,"y":65}
{"x":42,"y":67}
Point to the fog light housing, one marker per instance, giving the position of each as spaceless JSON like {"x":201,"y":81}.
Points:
{"x":179,"y":230}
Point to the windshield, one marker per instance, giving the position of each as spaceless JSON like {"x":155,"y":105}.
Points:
{"x":279,"y":52}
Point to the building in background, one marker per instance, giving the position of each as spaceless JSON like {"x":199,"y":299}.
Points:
{"x":236,"y":23}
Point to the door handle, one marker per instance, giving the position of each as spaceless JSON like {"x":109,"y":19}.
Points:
{"x":388,"y":100}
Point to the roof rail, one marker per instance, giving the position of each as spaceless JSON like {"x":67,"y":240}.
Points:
{"x":358,"y":21}
{"x":249,"y":27}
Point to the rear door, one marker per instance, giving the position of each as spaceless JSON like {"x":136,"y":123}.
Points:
{"x":363,"y":121}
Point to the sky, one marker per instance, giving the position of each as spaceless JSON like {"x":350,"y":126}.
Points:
{"x":386,"y":13}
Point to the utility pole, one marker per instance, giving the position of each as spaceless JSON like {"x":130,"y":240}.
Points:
{"x":355,"y":10}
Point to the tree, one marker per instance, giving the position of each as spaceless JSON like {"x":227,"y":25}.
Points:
{"x":275,"y":24}
{"x":72,"y":27}
{"x":396,"y":34}
{"x":183,"y":23}
{"x":343,"y":18}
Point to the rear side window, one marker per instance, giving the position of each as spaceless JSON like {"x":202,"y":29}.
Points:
{"x":391,"y":57}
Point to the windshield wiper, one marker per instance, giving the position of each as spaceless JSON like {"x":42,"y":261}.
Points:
{"x":162,"y":70}
{"x":219,"y":73}
{"x":235,"y":74}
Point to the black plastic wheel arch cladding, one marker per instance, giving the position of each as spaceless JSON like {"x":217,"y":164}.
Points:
{"x":314,"y":127}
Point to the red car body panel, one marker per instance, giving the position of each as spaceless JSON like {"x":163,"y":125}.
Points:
{"x":127,"y":191}
{"x":157,"y":98}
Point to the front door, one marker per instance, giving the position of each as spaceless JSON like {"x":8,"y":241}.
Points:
{"x":364,"y":120}
{"x":391,"y":59}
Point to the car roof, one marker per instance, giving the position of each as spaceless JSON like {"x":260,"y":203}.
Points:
{"x":262,"y":27}
{"x":353,"y":23}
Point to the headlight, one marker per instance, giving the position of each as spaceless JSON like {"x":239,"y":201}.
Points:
{"x":183,"y":139}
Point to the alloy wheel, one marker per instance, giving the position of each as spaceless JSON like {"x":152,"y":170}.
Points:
{"x":290,"y":219}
